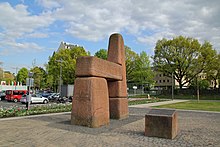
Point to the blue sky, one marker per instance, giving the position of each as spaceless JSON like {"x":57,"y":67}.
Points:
{"x":31,"y":30}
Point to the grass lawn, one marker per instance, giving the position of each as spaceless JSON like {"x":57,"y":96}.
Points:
{"x":194,"y":105}
{"x":191,"y":97}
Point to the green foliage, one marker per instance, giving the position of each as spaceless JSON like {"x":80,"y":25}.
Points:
{"x":194,"y":105}
{"x":102,"y":53}
{"x":201,"y":84}
{"x":143,"y":73}
{"x":40,"y":77}
{"x":64,"y":59}
{"x":8,"y":77}
{"x":22,"y":75}
{"x":185,"y":57}
{"x":138,"y":68}
{"x":213,"y":70}
{"x":1,"y":74}
{"x":143,"y":101}
{"x":44,"y":109}
{"x":192,"y":96}
{"x":131,"y":58}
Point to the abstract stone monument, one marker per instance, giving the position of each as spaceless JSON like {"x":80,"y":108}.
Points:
{"x":100,"y":90}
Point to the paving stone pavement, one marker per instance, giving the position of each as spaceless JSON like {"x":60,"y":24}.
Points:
{"x":196,"y":129}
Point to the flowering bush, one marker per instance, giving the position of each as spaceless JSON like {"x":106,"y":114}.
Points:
{"x":36,"y":109}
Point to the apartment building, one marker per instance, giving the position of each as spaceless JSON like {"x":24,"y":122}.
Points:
{"x":65,"y":45}
{"x":162,"y":81}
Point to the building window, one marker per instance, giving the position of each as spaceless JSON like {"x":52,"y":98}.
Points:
{"x":164,"y":81}
{"x":168,"y":81}
{"x":160,"y":81}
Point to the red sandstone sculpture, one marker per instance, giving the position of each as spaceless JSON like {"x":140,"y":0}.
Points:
{"x":100,"y":90}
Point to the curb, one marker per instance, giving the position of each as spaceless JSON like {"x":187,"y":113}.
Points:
{"x":32,"y":116}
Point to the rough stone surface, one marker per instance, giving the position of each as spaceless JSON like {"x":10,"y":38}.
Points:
{"x":117,"y":89}
{"x":88,"y":89}
{"x":118,"y":108}
{"x":197,"y":129}
{"x":161,"y":123}
{"x":89,"y":66}
{"x":90,"y":106}
{"x":116,"y":52}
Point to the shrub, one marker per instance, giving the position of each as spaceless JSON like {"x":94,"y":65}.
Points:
{"x":37,"y":109}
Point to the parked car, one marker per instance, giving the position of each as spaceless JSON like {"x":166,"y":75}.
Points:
{"x":35,"y":98}
{"x":14,"y":95}
{"x":46,"y":94}
{"x":51,"y":95}
{"x":54,"y":97}
{"x":2,"y":95}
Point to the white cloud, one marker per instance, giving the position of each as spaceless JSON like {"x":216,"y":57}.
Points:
{"x":49,"y":4}
{"x":18,"y":19}
{"x":14,"y":48}
{"x":146,"y":20}
{"x":37,"y":35}
{"x":94,"y":20}
{"x":17,"y":23}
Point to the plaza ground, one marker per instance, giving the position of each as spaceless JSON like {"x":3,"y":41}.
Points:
{"x":195,"y":129}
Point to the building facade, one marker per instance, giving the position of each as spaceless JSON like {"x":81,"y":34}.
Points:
{"x":64,"y":45}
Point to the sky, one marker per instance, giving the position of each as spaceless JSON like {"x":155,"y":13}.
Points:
{"x":31,"y":30}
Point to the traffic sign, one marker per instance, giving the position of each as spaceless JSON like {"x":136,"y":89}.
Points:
{"x":30,"y":82}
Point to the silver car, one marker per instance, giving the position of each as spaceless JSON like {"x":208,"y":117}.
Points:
{"x":35,"y":98}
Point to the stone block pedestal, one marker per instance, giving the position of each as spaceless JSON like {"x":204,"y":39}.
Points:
{"x":90,"y":105}
{"x":118,"y":108}
{"x":161,"y":123}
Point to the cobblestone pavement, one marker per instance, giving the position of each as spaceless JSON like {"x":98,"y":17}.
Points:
{"x":196,"y":129}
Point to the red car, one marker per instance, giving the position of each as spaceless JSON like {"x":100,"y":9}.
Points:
{"x":14,"y":95}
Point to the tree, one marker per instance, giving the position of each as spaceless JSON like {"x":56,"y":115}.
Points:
{"x":184,"y":57}
{"x":213,"y":70}
{"x":143,"y":73}
{"x":201,"y":84}
{"x":22,"y":75}
{"x":138,"y":68}
{"x":8,"y":77}
{"x":102,"y":53}
{"x":64,"y":60}
{"x":131,"y":58}
{"x":1,"y":72}
{"x":39,"y":77}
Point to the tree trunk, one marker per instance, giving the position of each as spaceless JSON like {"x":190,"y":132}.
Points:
{"x":180,"y":84}
{"x":215,"y":84}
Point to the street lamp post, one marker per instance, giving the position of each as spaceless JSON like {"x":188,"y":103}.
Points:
{"x":16,"y":77}
{"x":30,"y":83}
{"x":172,"y":87}
{"x":197,"y":85}
{"x":16,"y":71}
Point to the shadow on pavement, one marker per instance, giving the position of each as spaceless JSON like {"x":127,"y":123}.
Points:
{"x":62,"y":121}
